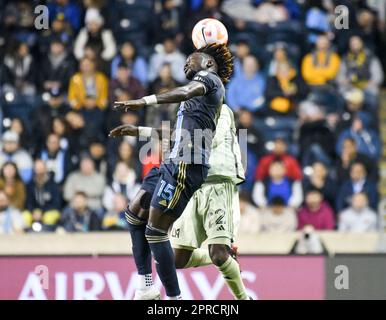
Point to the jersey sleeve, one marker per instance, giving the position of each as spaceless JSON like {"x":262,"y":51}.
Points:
{"x":207,"y":79}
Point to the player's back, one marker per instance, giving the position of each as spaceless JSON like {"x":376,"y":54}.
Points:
{"x":225,"y":159}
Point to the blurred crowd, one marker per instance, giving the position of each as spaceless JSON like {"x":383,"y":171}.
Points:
{"x":306,"y":90}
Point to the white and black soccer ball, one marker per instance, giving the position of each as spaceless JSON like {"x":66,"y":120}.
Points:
{"x":208,"y":31}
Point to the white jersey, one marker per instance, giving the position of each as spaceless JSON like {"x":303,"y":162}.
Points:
{"x":225,"y":157}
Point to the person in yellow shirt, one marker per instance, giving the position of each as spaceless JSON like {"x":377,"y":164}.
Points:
{"x":88,"y":83}
{"x":322,"y":65}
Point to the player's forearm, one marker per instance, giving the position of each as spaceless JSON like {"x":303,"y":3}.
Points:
{"x":179,"y":94}
{"x":149,"y":131}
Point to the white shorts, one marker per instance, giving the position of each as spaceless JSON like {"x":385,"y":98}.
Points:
{"x":213,"y":214}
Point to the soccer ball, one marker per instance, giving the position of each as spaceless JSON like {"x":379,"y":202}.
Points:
{"x":208,"y":31}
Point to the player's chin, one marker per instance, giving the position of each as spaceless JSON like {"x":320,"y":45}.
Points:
{"x":189,"y":73}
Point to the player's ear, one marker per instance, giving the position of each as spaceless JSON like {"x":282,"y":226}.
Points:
{"x":209,"y":63}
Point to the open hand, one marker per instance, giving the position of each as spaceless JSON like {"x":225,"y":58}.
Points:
{"x":124,"y":130}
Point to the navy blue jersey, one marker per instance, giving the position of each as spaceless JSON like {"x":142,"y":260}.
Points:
{"x":192,"y":145}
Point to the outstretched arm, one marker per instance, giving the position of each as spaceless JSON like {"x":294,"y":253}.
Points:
{"x":131,"y":130}
{"x":183,"y":93}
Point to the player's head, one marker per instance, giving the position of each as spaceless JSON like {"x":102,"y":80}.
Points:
{"x":213,"y":57}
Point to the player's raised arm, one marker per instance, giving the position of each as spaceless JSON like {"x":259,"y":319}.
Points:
{"x":179,"y":94}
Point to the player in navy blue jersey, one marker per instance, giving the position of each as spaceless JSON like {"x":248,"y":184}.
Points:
{"x":166,"y":192}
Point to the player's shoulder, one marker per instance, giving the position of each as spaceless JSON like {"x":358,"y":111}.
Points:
{"x":227,"y":112}
{"x":226,"y":117}
{"x":204,"y":74}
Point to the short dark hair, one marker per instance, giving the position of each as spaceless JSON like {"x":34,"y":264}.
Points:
{"x":314,"y":190}
{"x":81,"y":193}
{"x":223,"y":57}
{"x":277,"y":160}
{"x":277,"y":201}
{"x":123,"y":64}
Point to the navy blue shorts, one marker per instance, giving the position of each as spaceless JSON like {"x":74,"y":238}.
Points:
{"x":150,"y":181}
{"x":176,"y":185}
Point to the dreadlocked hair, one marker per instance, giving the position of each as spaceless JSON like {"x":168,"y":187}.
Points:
{"x":223,"y":57}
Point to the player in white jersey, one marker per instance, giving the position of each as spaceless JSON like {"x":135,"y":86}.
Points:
{"x":213,"y":213}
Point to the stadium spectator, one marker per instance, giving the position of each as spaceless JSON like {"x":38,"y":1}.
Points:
{"x":12,"y":185}
{"x":78,"y":142}
{"x":18,"y":16}
{"x":358,"y":183}
{"x":113,"y":145}
{"x":162,"y":83}
{"x":11,"y":151}
{"x":320,"y":179}
{"x":164,"y":80}
{"x":169,"y":54}
{"x":242,"y":51}
{"x":317,"y":19}
{"x":316,"y":212}
{"x":321,"y":66}
{"x":358,"y":217}
{"x":124,"y":86}
{"x":60,"y":128}
{"x":43,"y":200}
{"x":316,"y":138}
{"x":88,"y":87}
{"x":277,"y":217}
{"x":354,"y":103}
{"x":56,"y":159}
{"x":277,"y":184}
{"x":349,"y":155}
{"x":260,"y":11}
{"x":59,"y":29}
{"x":101,"y":65}
{"x":86,"y":180}
{"x":239,"y":10}
{"x":128,"y":55}
{"x":123,"y":182}
{"x":114,"y":219}
{"x":42,"y":118}
{"x":94,"y":119}
{"x":250,"y":220}
{"x":279,"y":57}
{"x":293,"y":169}
{"x":69,"y":9}
{"x":366,"y":139}
{"x":11,"y":221}
{"x":254,"y":147}
{"x":247,"y":89}
{"x":285,"y":86}
{"x":95,"y":36}
{"x":78,"y":216}
{"x":168,"y":20}
{"x":18,"y":126}
{"x":97,"y":152}
{"x":125,"y":153}
{"x":19,"y":73}
{"x":361,"y":69}
{"x":59,"y":66}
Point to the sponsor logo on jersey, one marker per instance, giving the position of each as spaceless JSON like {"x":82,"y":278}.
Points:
{"x":176,"y":233}
{"x":163,"y":203}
